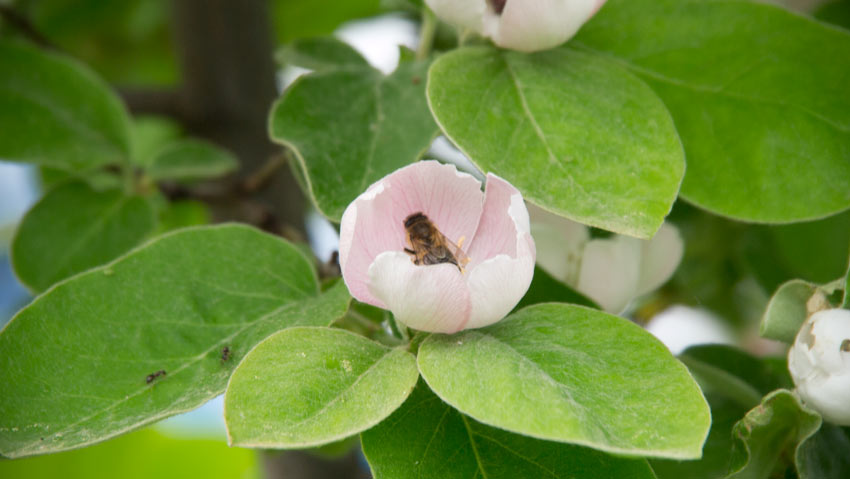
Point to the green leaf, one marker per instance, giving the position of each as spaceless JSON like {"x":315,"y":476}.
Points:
{"x":733,"y":382}
{"x":309,"y":18}
{"x":770,"y":432}
{"x":758,"y":99}
{"x":846,"y":302}
{"x":787,"y":311}
{"x":320,"y":53}
{"x":577,"y":134}
{"x":305,"y":387}
{"x":351,"y":127}
{"x":172,"y":305}
{"x":572,"y":374}
{"x":74,"y":228}
{"x":55,"y":112}
{"x":140,"y":455}
{"x":824,"y":454}
{"x":182,"y":213}
{"x":545,"y":289}
{"x":187,"y":160}
{"x":427,"y":439}
{"x":149,"y":134}
{"x":836,"y":12}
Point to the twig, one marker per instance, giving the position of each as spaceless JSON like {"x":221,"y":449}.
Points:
{"x":265,"y":173}
{"x":23,"y":25}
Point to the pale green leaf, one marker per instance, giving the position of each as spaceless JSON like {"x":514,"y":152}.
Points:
{"x":56,"y":112}
{"x":787,"y":310}
{"x":351,"y":127}
{"x":824,"y":455}
{"x":571,"y":374}
{"x":306,"y":387}
{"x":186,"y":160}
{"x":182,"y":213}
{"x":771,"y":430}
{"x":427,"y":439}
{"x":149,"y":134}
{"x":576,"y":133}
{"x":757,"y":94}
{"x":76,"y":362}
{"x":74,"y":228}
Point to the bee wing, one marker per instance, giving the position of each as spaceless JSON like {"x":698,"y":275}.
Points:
{"x":462,"y":258}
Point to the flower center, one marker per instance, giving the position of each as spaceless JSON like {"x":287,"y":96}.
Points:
{"x":498,"y":5}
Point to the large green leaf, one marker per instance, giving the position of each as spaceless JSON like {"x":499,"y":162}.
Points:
{"x":306,"y":387}
{"x":141,"y":455}
{"x":55,"y":112}
{"x":320,"y":53}
{"x":576,"y":133}
{"x":74,"y":228}
{"x":427,"y":439}
{"x":769,"y":433}
{"x":79,"y":364}
{"x":351,"y":127}
{"x":191,"y":160}
{"x":757,"y":96}
{"x":572,"y":374}
{"x":309,"y":18}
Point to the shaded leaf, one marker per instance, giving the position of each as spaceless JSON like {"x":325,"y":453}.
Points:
{"x":824,"y":455}
{"x":426,"y":438}
{"x":305,"y":387}
{"x":571,"y":374}
{"x":74,"y":228}
{"x":787,"y":311}
{"x":758,"y":99}
{"x":320,"y":53}
{"x":771,"y":433}
{"x":173,"y":305}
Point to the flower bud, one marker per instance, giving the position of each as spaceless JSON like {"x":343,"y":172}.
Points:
{"x":525,"y":25}
{"x":819,"y":362}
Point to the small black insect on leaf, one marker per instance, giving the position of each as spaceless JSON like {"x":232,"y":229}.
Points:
{"x":225,"y":354}
{"x":152,"y":376}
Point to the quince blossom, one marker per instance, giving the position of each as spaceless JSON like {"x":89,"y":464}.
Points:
{"x":819,"y":362}
{"x":524,"y":25}
{"x":491,"y":227}
{"x":611,"y":271}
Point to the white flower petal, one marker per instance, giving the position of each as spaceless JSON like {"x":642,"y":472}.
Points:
{"x":497,"y":285}
{"x":463,"y":13}
{"x":610,"y":270}
{"x":531,"y":25}
{"x":433,"y":298}
{"x":660,"y":258}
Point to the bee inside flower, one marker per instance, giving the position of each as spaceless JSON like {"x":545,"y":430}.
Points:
{"x":426,"y":243}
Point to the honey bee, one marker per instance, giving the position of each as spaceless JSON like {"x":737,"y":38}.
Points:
{"x":429,"y":246}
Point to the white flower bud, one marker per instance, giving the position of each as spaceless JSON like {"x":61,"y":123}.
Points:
{"x":819,"y":363}
{"x":525,"y":25}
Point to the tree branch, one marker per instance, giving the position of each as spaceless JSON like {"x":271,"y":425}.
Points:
{"x":25,"y":27}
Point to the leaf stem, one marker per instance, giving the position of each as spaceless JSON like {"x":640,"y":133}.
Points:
{"x":426,"y":34}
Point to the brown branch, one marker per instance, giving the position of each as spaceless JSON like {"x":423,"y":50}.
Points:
{"x":153,"y":101}
{"x":22,"y":24}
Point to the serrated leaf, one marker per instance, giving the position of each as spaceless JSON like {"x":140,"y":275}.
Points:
{"x":571,"y":374}
{"x":787,"y":310}
{"x":305,"y":387}
{"x":577,"y":134}
{"x":74,"y":228}
{"x":56,"y":112}
{"x":351,"y":127}
{"x":187,"y":160}
{"x":427,"y":439}
{"x":320,"y":53}
{"x":772,"y":429}
{"x":758,"y":99}
{"x":97,"y":340}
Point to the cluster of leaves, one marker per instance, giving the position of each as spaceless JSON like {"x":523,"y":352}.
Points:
{"x":597,"y":131}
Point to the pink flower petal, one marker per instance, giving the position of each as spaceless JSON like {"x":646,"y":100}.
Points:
{"x":432,"y":298}
{"x":374,"y":222}
{"x":504,"y":218}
